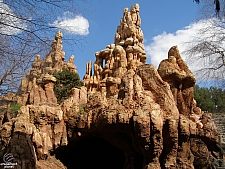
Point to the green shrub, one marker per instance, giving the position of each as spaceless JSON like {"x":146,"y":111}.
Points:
{"x":65,"y":81}
{"x":14,"y":109}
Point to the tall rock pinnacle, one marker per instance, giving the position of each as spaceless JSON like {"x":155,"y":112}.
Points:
{"x":127,"y":52}
{"x":37,"y":86}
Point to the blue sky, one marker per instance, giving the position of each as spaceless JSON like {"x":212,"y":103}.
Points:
{"x":164,"y":24}
{"x":104,"y":16}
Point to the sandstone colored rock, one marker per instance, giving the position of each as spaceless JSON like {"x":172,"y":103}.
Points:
{"x":127,"y":51}
{"x":39,"y":127}
{"x":36,"y":132}
{"x":37,"y":87}
{"x":150,"y":115}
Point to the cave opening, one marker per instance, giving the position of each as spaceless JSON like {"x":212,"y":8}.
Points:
{"x":89,"y":153}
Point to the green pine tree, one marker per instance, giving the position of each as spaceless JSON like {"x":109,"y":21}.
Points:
{"x":210,"y":99}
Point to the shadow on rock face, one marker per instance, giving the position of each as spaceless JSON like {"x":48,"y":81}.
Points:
{"x":91,"y":153}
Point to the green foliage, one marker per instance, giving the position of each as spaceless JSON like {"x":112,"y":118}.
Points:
{"x":14,"y":109}
{"x":82,"y":108}
{"x":65,"y":81}
{"x":210,"y":99}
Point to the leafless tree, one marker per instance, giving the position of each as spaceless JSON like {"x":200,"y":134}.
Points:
{"x":26,"y":30}
{"x":211,"y":5}
{"x":206,"y":50}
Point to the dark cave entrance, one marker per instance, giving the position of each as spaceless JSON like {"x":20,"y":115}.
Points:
{"x":91,"y":153}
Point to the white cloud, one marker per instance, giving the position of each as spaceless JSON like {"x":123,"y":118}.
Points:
{"x":10,"y":23}
{"x":73,"y":25}
{"x":158,"y":49}
{"x":210,"y":31}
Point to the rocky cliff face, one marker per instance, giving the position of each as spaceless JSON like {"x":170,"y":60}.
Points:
{"x":148,"y":117}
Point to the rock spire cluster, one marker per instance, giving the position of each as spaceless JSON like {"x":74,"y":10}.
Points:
{"x":127,"y":52}
{"x":40,"y":126}
{"x":150,"y":115}
{"x":39,"y":81}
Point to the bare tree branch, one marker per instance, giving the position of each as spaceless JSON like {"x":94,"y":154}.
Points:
{"x":25,"y":31}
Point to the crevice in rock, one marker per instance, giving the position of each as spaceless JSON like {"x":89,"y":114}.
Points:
{"x":91,"y":152}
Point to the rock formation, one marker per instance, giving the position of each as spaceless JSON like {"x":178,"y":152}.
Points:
{"x":126,"y":52}
{"x":150,"y":115}
{"x":39,"y":81}
{"x":40,"y":127}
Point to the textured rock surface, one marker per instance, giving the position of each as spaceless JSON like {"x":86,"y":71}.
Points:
{"x":35,"y":132}
{"x":37,"y":87}
{"x":150,"y":115}
{"x":126,"y":52}
{"x":39,"y":127}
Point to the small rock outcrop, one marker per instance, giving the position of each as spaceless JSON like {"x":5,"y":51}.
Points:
{"x":150,"y":115}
